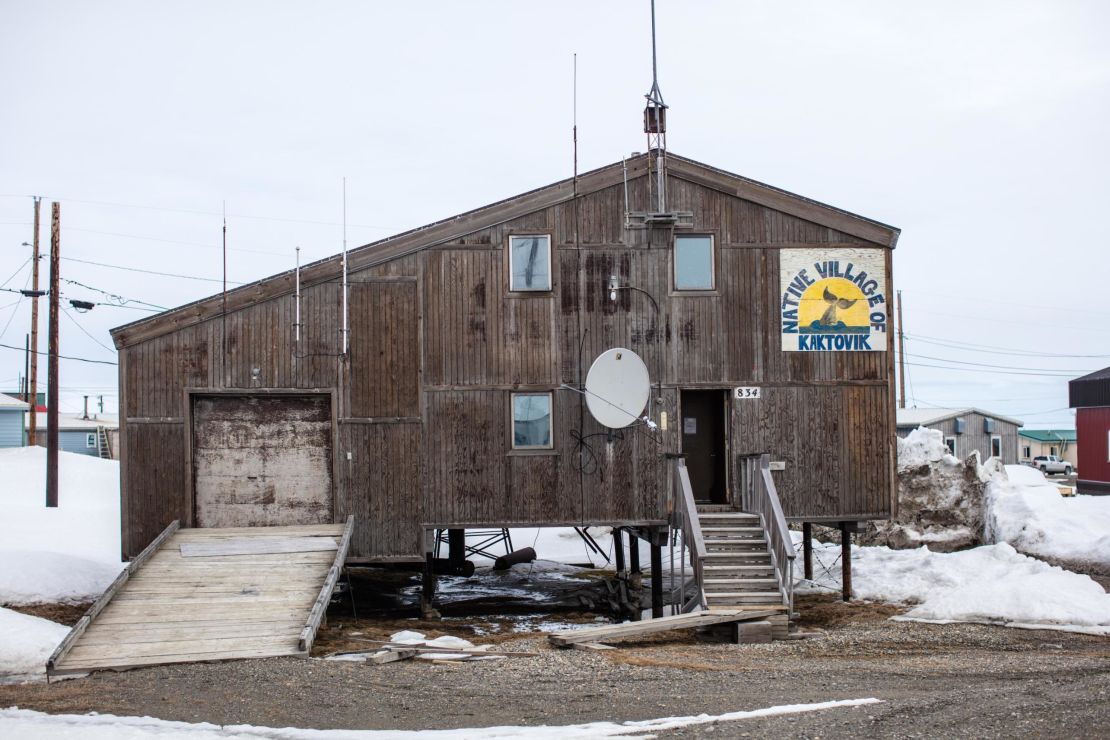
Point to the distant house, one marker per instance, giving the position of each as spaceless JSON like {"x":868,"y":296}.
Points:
{"x":11,"y":421}
{"x":967,"y":430}
{"x":1036,"y":442}
{"x":1090,"y":397}
{"x":95,"y":435}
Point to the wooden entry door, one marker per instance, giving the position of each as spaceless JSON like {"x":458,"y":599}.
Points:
{"x":703,"y":443}
{"x":262,"y":460}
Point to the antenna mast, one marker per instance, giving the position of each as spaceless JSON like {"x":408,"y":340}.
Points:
{"x":655,"y":124}
{"x":345,"y":329}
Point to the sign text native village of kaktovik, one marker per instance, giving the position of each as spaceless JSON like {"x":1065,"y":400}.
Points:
{"x":833,"y":300}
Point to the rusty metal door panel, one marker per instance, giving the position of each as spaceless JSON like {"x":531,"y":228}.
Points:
{"x":262,"y":460}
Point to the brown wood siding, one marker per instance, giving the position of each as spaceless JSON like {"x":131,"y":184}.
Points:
{"x":974,"y":438}
{"x":438,"y":343}
{"x":384,"y":369}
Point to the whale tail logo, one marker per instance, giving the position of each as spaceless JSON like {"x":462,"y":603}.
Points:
{"x":829,"y":317}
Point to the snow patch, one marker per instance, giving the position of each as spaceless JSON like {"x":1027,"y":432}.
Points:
{"x":23,"y":723}
{"x":25,"y":645}
{"x":992,"y":584}
{"x":52,"y":578}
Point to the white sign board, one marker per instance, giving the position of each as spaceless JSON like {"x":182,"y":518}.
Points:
{"x":833,"y":300}
{"x":745,"y":391}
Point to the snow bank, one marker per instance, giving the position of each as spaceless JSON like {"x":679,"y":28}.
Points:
{"x":923,"y":447}
{"x":86,"y":522}
{"x":22,"y":723}
{"x":1024,"y":509}
{"x":25,"y":644}
{"x":992,"y":584}
{"x":52,"y":578}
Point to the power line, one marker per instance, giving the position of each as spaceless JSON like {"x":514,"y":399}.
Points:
{"x":69,"y":314}
{"x":197,"y":212}
{"x":1000,"y":367}
{"x":991,"y":349}
{"x":150,"y":272}
{"x":992,"y":372}
{"x":64,"y":357}
{"x":120,"y":299}
{"x":16,"y":272}
{"x":175,"y":241}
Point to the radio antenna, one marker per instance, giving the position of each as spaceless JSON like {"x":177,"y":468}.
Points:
{"x":346,"y":331}
{"x":655,"y":124}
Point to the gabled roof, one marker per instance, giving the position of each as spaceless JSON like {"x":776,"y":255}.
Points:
{"x":925,"y":417}
{"x":8,"y":402}
{"x":1049,"y":435}
{"x":452,"y":228}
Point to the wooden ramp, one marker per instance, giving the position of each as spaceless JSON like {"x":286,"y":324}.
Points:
{"x":211,"y":594}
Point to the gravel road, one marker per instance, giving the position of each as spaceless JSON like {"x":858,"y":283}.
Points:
{"x":934,"y":681}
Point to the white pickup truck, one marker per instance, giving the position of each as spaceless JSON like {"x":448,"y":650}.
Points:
{"x":1051,"y":464}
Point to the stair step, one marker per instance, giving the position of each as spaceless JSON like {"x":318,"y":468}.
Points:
{"x":732,"y":517}
{"x":739,"y":571}
{"x":734,"y":559}
{"x":731,"y":529}
{"x":745,"y":597}
{"x":725,"y":581}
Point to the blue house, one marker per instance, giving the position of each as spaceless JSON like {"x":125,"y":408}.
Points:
{"x":11,"y":421}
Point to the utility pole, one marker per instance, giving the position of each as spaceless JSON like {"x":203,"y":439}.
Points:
{"x":901,"y":358}
{"x":52,"y":369}
{"x":33,"y":419}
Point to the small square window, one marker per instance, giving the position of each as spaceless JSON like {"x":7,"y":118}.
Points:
{"x":693,"y":262}
{"x":530,"y":263}
{"x":531,"y":421}
{"x":90,"y":440}
{"x":1026,"y":452}
{"x":950,"y":443}
{"x":996,"y":446}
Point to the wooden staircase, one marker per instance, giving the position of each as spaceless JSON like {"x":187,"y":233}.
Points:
{"x":738,"y":568}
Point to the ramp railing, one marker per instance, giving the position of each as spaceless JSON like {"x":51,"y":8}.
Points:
{"x":684,"y":518}
{"x":759,"y":496}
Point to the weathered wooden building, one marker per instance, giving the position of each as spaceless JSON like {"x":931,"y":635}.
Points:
{"x":457,"y":402}
{"x":967,"y":430}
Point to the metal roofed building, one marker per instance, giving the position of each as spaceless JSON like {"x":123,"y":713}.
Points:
{"x":967,"y":430}
{"x":1036,"y":442}
{"x":1089,"y":395}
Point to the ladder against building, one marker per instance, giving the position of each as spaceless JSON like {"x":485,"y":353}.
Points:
{"x":103,"y":445}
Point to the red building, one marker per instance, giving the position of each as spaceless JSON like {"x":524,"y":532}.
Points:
{"x":1090,"y":397}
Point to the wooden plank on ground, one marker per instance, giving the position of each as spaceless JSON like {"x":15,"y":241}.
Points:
{"x":605,"y":633}
{"x":257,"y":546}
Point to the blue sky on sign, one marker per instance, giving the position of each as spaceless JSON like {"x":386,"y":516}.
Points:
{"x":977,"y":128}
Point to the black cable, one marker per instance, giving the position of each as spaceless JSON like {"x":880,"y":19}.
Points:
{"x":69,"y":314}
{"x":64,"y":357}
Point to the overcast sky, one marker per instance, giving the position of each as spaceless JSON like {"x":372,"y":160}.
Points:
{"x":978,"y":128}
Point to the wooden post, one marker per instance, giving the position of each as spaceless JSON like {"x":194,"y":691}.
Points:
{"x":634,"y":554}
{"x":618,"y":549}
{"x":33,"y":390}
{"x":807,"y":549}
{"x":52,"y":369}
{"x":656,"y":579}
{"x":428,"y":589}
{"x":845,"y":562}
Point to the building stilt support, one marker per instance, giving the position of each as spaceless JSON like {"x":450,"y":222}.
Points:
{"x":807,"y":549}
{"x":618,"y":550}
{"x":428,"y":589}
{"x":656,"y":580}
{"x":845,"y":561}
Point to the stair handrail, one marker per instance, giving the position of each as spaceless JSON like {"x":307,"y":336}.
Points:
{"x":690,"y":526}
{"x":759,"y":496}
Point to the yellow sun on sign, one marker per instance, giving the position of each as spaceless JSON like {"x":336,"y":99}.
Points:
{"x":832,"y":305}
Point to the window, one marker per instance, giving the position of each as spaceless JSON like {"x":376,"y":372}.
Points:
{"x":950,"y":443}
{"x":693,"y":262}
{"x":1026,"y":452}
{"x":531,"y":421}
{"x":996,"y":446}
{"x":529,"y":263}
{"x":90,"y":440}
{"x":1052,"y":451}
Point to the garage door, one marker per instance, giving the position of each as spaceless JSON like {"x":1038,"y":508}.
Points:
{"x":262,"y":460}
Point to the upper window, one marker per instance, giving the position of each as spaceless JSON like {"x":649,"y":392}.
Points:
{"x":693,"y":262}
{"x":90,"y":440}
{"x":530,"y":263}
{"x":531,"y":421}
{"x":950,"y":443}
{"x":996,"y":446}
{"x":1026,"y":452}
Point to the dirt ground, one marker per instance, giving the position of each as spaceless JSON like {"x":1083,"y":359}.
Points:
{"x":933,"y":680}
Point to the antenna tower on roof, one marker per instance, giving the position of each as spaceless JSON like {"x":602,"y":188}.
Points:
{"x":655,"y":126}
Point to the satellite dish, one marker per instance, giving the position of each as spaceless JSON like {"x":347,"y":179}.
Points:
{"x":617,"y":388}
